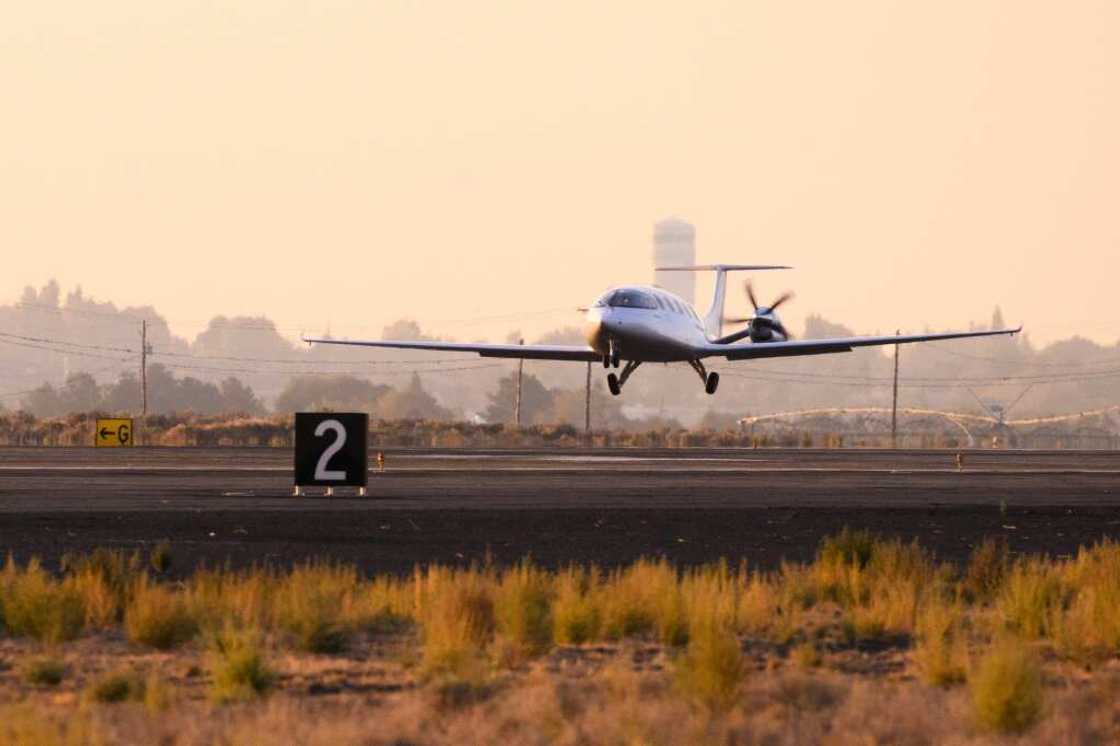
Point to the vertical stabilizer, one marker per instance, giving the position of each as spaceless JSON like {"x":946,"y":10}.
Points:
{"x":713,"y":319}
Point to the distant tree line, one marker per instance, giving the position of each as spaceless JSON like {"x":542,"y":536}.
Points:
{"x":168,"y":394}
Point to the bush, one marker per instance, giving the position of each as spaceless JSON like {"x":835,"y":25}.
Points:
{"x":941,"y":651}
{"x":711,"y":669}
{"x":1006,"y":688}
{"x":237,"y":665}
{"x":120,"y":686}
{"x":159,"y":617}
{"x":456,"y":611}
{"x":986,"y":570}
{"x":312,"y":604}
{"x":160,"y":558}
{"x":37,"y":606}
{"x":1030,"y":594}
{"x":523,"y":613}
{"x":43,"y":671}
{"x":575,"y":612}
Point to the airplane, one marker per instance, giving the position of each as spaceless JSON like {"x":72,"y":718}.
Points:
{"x":633,"y":324}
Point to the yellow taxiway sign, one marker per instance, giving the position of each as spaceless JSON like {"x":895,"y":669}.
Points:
{"x":113,"y":433}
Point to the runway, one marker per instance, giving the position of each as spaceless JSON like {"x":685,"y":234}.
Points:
{"x":557,"y":506}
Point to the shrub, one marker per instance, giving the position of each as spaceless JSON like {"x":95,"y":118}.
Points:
{"x":575,"y":612}
{"x":941,"y":650}
{"x":641,"y":599}
{"x":37,"y":606}
{"x":237,"y":665}
{"x":986,"y":570}
{"x":806,"y":655}
{"x":104,"y":579}
{"x":1030,"y":593}
{"x":523,"y":613}
{"x":159,"y":617}
{"x":119,"y":686}
{"x":1006,"y":688}
{"x":456,"y":611}
{"x":314,"y":604}
{"x":160,"y":558}
{"x":711,"y":669}
{"x":43,"y":671}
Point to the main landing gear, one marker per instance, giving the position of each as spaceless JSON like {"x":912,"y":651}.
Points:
{"x":711,"y":380}
{"x":614,"y":383}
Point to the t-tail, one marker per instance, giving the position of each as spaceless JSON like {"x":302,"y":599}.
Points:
{"x":713,"y":320}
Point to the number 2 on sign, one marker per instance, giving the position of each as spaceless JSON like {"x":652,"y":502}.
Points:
{"x":321,"y":470}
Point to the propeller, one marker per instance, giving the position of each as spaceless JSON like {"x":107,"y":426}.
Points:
{"x":764,"y":312}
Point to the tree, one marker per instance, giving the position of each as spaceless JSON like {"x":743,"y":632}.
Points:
{"x":311,"y":393}
{"x":411,"y":403}
{"x":237,"y":397}
{"x":536,"y":401}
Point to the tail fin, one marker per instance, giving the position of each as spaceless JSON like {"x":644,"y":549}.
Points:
{"x":713,"y":320}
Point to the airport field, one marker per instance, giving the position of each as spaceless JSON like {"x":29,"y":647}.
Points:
{"x":493,"y":596}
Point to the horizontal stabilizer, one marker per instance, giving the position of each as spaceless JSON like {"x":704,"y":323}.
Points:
{"x":719,"y":267}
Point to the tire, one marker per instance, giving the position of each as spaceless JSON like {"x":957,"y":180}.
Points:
{"x":612,"y":384}
{"x":712,"y":383}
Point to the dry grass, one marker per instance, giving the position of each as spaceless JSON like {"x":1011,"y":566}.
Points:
{"x":238,"y":669}
{"x":44,"y":671}
{"x":316,"y":605}
{"x":941,"y":649}
{"x":576,"y":616}
{"x":158,"y":617}
{"x":38,"y":606}
{"x":666,"y":645}
{"x":1006,"y":688}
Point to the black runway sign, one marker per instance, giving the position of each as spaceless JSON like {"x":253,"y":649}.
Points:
{"x":331,"y":449}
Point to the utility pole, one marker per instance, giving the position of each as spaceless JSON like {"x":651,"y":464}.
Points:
{"x":587,"y":407}
{"x":143,"y":367}
{"x":517,"y":403}
{"x":894,"y":403}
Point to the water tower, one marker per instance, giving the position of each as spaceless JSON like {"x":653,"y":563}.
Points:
{"x":674,"y":244}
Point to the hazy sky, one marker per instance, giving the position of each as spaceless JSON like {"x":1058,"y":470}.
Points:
{"x":359,"y":162}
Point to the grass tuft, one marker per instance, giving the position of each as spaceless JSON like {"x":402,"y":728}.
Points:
{"x":456,"y":609}
{"x":576,"y":618}
{"x":1006,"y":688}
{"x":36,"y":605}
{"x":238,"y":667}
{"x":315,"y":604}
{"x":711,"y":670}
{"x":159,"y":617}
{"x":116,"y":687}
{"x":523,"y":612}
{"x":44,"y":672}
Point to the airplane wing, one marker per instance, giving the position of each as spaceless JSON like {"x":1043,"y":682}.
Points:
{"x":753,"y":350}
{"x":526,"y":352}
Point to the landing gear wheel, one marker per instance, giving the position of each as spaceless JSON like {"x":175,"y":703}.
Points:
{"x":614,"y":385}
{"x":712,"y":383}
{"x":606,"y":361}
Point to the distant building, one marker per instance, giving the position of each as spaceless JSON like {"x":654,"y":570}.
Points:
{"x":674,"y":244}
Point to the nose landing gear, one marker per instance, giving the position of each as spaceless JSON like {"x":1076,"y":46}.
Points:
{"x":711,"y":380}
{"x":610,"y":360}
{"x":614,"y":383}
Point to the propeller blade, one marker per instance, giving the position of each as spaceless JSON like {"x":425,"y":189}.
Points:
{"x":781,"y":299}
{"x":781,"y":329}
{"x":750,"y":295}
{"x":745,"y":320}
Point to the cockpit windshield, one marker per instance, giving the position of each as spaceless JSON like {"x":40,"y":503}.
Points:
{"x":630,"y":298}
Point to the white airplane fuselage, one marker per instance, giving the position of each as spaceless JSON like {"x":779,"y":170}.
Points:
{"x":669,"y":333}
